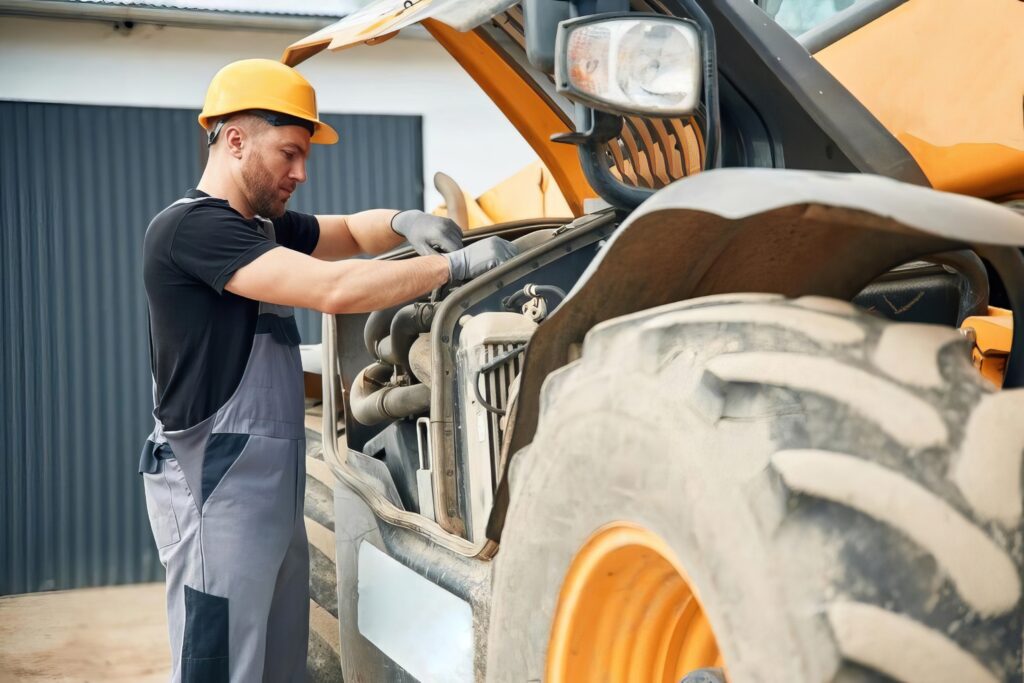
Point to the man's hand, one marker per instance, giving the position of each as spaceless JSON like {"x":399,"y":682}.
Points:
{"x":426,"y":233}
{"x":479,"y":257}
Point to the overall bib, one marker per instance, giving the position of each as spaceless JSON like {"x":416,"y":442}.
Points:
{"x":225,"y":502}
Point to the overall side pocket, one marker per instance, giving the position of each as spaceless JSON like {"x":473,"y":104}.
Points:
{"x":162,"y":519}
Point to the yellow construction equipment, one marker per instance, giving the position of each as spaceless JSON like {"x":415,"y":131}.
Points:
{"x":755,"y":415}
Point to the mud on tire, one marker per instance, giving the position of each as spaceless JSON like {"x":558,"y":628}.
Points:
{"x":843,"y":491}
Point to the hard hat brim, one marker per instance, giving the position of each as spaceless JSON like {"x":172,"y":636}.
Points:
{"x":323,"y":134}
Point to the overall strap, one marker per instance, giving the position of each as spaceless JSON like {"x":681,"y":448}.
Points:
{"x":274,"y":318}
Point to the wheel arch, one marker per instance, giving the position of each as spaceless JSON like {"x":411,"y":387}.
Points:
{"x":750,"y":230}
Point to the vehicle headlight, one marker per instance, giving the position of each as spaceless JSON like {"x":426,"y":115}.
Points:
{"x":636,"y":64}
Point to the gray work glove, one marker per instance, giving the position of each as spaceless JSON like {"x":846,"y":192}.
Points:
{"x":428,"y":234}
{"x":478,"y":258}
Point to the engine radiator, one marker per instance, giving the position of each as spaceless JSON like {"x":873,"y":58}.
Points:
{"x":484,"y":383}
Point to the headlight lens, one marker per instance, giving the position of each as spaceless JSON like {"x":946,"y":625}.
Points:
{"x":649,"y":65}
{"x":587,"y":71}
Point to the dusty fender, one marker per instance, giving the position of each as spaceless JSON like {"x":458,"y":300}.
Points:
{"x":752,"y":230}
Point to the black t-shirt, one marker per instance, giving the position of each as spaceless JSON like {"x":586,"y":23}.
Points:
{"x":201,"y":335}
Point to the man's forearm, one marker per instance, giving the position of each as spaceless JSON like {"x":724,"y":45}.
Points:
{"x":362,"y":286}
{"x":289,"y":278}
{"x":372,"y":230}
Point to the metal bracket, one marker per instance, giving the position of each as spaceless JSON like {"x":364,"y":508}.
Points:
{"x":600,"y":126}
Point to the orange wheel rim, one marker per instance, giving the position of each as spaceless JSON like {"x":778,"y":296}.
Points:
{"x":628,"y":613}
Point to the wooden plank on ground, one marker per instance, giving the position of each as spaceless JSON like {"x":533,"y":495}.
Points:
{"x":323,"y":624}
{"x":321,"y":471}
{"x":320,"y":537}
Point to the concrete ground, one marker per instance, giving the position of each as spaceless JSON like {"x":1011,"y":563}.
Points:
{"x":89,"y":635}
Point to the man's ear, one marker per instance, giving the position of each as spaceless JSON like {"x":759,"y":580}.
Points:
{"x":234,"y":138}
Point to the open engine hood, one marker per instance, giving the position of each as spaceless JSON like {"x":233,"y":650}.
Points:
{"x":382,"y":19}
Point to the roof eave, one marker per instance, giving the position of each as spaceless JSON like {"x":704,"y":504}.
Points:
{"x":87,"y":11}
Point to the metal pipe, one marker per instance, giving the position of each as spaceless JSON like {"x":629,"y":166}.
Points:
{"x":420,"y":359}
{"x":372,"y":404}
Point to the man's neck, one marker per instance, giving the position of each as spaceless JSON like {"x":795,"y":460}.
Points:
{"x":222,"y":186}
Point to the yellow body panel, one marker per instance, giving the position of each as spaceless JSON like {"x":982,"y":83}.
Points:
{"x":530,"y":113}
{"x":530,"y":193}
{"x":946,"y":77}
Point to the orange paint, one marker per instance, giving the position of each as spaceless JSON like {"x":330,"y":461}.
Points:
{"x":627,"y":613}
{"x":946,"y":77}
{"x":534,"y":118}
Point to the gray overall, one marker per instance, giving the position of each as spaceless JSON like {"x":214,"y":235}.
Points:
{"x":225,"y":501}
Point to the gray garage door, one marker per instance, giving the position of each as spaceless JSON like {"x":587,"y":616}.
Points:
{"x":78,"y":185}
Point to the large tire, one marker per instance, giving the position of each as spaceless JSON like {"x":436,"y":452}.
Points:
{"x":324,"y":662}
{"x":842,"y":492}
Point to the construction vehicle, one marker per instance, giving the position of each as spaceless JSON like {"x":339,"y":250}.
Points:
{"x":755,"y":412}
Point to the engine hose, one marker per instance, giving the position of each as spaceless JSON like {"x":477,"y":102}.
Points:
{"x":518,"y":298}
{"x":493,"y":363}
{"x":377,"y":327}
{"x":372,"y":404}
{"x":406,"y":327}
{"x":385,"y":352}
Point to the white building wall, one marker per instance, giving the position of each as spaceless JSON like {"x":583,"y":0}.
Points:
{"x":90,"y":62}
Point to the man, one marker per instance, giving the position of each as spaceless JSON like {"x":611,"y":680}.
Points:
{"x":224,"y":466}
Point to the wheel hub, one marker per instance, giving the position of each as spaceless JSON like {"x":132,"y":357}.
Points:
{"x":628,"y":613}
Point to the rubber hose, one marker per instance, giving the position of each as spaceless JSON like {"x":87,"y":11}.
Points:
{"x":377,"y":327}
{"x":386,"y":352}
{"x":407,"y":325}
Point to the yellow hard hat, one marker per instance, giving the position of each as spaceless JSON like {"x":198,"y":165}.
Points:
{"x":267,"y":85}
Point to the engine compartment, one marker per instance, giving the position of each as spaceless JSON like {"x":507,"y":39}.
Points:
{"x":427,"y":384}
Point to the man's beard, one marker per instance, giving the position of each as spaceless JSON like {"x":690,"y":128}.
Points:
{"x":261,"y":188}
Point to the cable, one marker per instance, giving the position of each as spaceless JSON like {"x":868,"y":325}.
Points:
{"x":487,"y":367}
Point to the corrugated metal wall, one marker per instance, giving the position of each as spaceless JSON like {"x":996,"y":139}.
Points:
{"x":78,"y":185}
